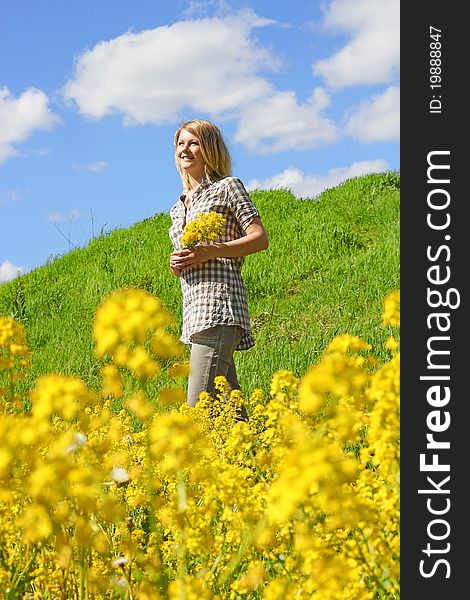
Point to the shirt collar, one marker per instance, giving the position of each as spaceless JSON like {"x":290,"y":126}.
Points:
{"x":204,"y":183}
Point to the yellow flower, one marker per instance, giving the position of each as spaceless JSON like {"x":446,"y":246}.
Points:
{"x":5,"y":460}
{"x":140,"y":405}
{"x":189,"y":239}
{"x":61,"y":395}
{"x":113,"y":384}
{"x":129,"y":328}
{"x":35,"y":523}
{"x":391,"y":314}
{"x":171,"y":395}
{"x":206,"y":228}
{"x":179,"y":369}
{"x":295,"y":503}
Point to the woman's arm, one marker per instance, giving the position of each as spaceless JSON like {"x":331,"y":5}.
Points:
{"x":255,"y":240}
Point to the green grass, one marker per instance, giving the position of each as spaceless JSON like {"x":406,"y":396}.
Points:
{"x":330,"y":264}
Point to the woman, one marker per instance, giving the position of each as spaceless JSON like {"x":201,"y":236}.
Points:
{"x":215,"y":306}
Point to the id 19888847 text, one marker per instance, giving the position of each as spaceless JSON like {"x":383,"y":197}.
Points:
{"x":435,"y":70}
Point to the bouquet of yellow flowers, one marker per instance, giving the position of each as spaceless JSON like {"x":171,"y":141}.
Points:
{"x":206,"y":228}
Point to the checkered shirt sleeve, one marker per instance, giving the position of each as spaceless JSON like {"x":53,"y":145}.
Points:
{"x":214,"y":293}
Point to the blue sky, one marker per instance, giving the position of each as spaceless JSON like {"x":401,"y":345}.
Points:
{"x":91,"y":92}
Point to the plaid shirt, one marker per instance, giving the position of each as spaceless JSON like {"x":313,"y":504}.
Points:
{"x":214,"y":292}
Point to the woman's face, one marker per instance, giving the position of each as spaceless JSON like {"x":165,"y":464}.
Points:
{"x":188,"y":155}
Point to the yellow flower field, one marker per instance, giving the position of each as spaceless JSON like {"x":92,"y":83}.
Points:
{"x":146,"y":502}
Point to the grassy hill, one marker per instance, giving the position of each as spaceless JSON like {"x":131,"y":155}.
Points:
{"x":330,"y":265}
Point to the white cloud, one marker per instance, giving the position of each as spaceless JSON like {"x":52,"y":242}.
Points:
{"x":9,"y":196}
{"x":377,"y":120}
{"x":95,"y":167}
{"x":373,"y":54}
{"x":20,"y":117}
{"x":8,"y":271}
{"x":44,"y":151}
{"x":279,"y":123}
{"x":7,"y":151}
{"x":204,"y":66}
{"x":207,"y":66}
{"x":205,"y":7}
{"x":310,"y":186}
{"x":59,"y":217}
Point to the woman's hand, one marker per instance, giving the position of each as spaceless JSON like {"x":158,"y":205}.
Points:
{"x":174,"y":257}
{"x":254,"y":240}
{"x":188,"y":258}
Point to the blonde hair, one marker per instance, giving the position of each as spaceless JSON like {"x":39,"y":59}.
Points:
{"x":217,"y":160}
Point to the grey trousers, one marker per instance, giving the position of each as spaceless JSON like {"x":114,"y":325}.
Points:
{"x":212,"y":355}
